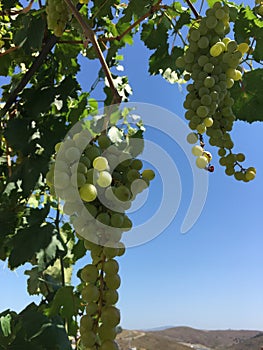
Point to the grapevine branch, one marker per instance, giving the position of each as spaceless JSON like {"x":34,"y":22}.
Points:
{"x":12,"y":13}
{"x":138,"y":21}
{"x":190,"y":4}
{"x":29,"y":74}
{"x":90,"y":35}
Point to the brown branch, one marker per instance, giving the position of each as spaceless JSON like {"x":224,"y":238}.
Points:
{"x":72,"y":42}
{"x":11,"y":49}
{"x":13,"y":13}
{"x":90,"y":35}
{"x":195,"y":12}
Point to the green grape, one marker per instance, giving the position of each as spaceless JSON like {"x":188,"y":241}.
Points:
{"x":88,"y":338}
{"x":122,"y":193}
{"x":202,"y":111}
{"x":112,"y":281}
{"x":209,"y":82}
{"x":100,"y":163}
{"x":197,"y":150}
{"x":208,"y":122}
{"x":216,"y":50}
{"x":111,"y":266}
{"x":92,"y":151}
{"x":110,"y":252}
{"x":136,"y":164}
{"x":89,"y":273}
{"x":109,"y":345}
{"x":86,"y":323}
{"x":104,"y":141}
{"x":192,"y":138}
{"x":243,"y":48}
{"x":148,"y":174}
{"x":117,"y":220}
{"x":90,"y":293}
{"x":201,"y":128}
{"x":110,"y":315}
{"x":72,"y":154}
{"x":110,"y":297}
{"x":195,"y":35}
{"x":62,"y":180}
{"x":91,"y":309}
{"x":202,"y":60}
{"x":201,"y":162}
{"x":203,"y":42}
{"x":78,"y":179}
{"x":86,"y":161}
{"x":57,"y":16}
{"x":88,"y":192}
{"x":92,"y":176}
{"x":104,"y":179}
{"x":132,"y":175}
{"x":250,"y":175}
{"x":107,"y":333}
{"x":104,"y":218}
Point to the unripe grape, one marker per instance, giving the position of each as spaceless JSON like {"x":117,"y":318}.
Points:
{"x":148,"y":174}
{"x":110,"y":315}
{"x":201,"y":162}
{"x":201,"y":128}
{"x":110,"y":297}
{"x":208,"y":122}
{"x":111,"y":266}
{"x":122,"y":193}
{"x":112,"y":281}
{"x":86,"y":323}
{"x":104,"y":179}
{"x":89,"y":273}
{"x":100,"y":163}
{"x":88,"y":338}
{"x":107,"y":333}
{"x":88,"y":192}
{"x":109,"y":345}
{"x":90,"y":293}
{"x":192,"y":138}
{"x":117,"y":220}
{"x":104,"y":141}
{"x":197,"y":150}
{"x":250,"y":175}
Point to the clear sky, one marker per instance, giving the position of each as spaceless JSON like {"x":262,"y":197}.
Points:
{"x":210,"y":277}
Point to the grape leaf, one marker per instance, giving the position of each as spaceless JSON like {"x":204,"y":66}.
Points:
{"x":65,"y":303}
{"x":248,"y":104}
{"x":29,"y":241}
{"x":5,"y":324}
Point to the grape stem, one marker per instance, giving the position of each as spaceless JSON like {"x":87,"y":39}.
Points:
{"x":193,"y":9}
{"x":91,"y":36}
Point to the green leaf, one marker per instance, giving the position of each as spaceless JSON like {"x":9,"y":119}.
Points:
{"x":5,"y":324}
{"x":65,"y":303}
{"x":31,"y":32}
{"x":248,"y":104}
{"x":29,"y":241}
{"x":33,"y":280}
{"x":211,"y":2}
{"x":154,"y":35}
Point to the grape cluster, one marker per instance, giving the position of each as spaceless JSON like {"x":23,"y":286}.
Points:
{"x":212,"y":61}
{"x":97,"y":186}
{"x":57,"y":16}
{"x":259,"y":7}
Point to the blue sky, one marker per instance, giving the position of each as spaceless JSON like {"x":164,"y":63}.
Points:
{"x":210,"y":277}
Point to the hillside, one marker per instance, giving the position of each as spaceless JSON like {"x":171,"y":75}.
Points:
{"x":181,"y":338}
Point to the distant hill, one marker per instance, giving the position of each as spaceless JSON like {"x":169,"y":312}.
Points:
{"x":182,"y":338}
{"x":255,"y":342}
